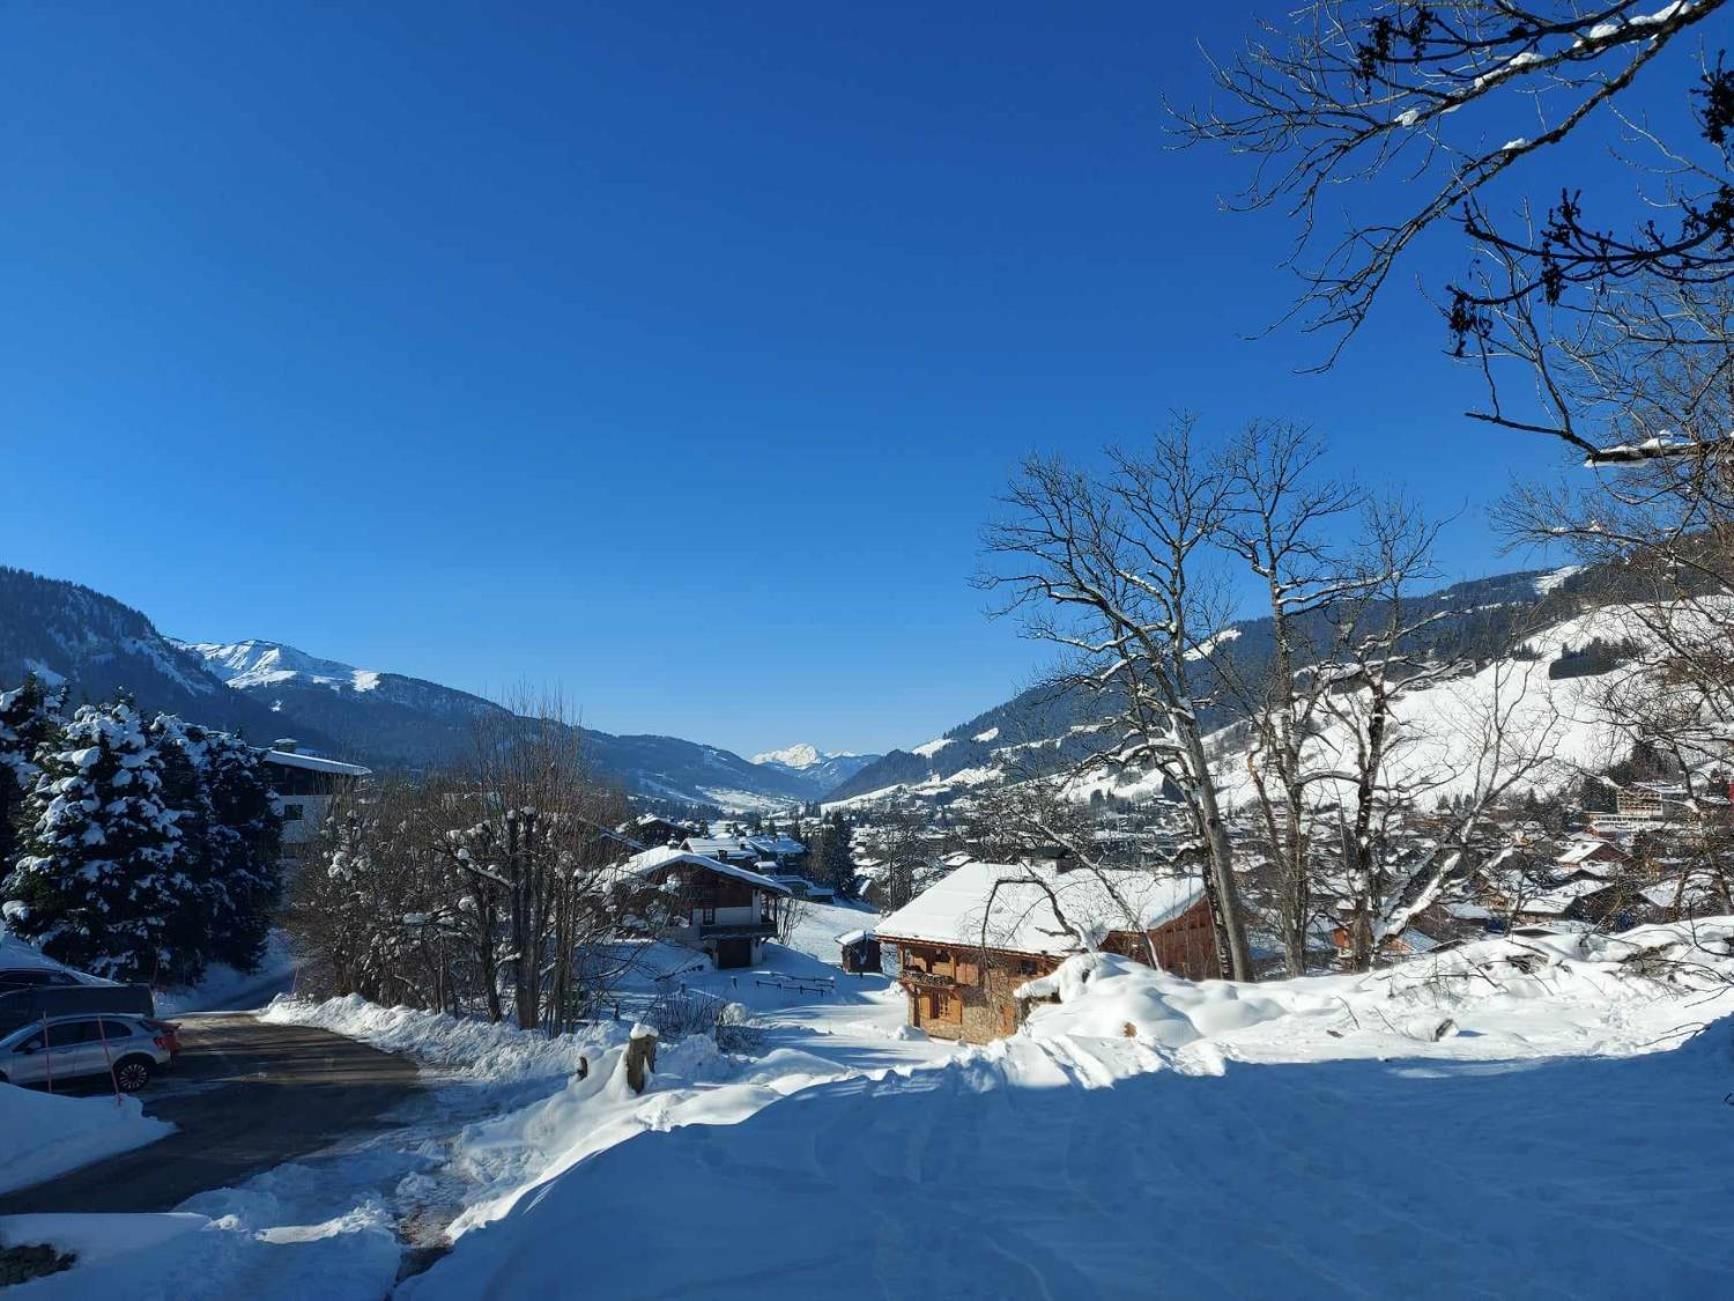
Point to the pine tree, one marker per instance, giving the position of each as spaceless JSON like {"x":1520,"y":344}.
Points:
{"x":101,"y":879}
{"x":29,"y":716}
{"x":836,"y":862}
{"x":232,"y":830}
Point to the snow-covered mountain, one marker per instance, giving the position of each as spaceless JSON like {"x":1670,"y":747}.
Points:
{"x":245,"y":664}
{"x":264,"y":690}
{"x":1045,"y":729}
{"x":95,"y":646}
{"x":393,"y":720}
{"x":822,"y":771}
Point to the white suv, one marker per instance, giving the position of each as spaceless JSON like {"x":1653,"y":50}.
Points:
{"x":72,"y":1047}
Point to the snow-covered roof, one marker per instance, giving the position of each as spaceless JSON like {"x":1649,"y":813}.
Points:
{"x":1582,"y":850}
{"x":1418,"y":942}
{"x":654,"y":860}
{"x":1700,"y":888}
{"x":1552,"y":903}
{"x":714,"y":846}
{"x":774,"y":845}
{"x":314,"y":763}
{"x":952,"y":911}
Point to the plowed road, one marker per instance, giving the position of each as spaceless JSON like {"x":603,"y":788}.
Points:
{"x":245,"y":1096}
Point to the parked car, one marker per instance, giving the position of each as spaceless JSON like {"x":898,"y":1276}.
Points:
{"x":78,"y":1047}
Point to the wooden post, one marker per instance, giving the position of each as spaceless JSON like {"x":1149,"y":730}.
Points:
{"x":640,"y":1056}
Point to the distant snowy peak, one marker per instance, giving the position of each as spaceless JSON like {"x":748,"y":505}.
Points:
{"x":817,"y":771}
{"x":253,"y":663}
{"x":802,"y":756}
{"x":796,"y":756}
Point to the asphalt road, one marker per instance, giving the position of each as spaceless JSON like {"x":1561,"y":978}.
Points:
{"x":245,"y":1096}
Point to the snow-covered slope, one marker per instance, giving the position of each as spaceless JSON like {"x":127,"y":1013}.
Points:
{"x":1528,"y":1115}
{"x":394,"y":720}
{"x":244,"y":664}
{"x":1345,"y":1135}
{"x":1046,"y":730}
{"x":94,"y":645}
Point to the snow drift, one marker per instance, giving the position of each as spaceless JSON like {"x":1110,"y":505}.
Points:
{"x":43,"y":1135}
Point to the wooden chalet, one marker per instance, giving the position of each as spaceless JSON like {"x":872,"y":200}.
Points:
{"x":725,"y":910}
{"x":968,"y":942}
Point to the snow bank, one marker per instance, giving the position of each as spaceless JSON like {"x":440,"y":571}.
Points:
{"x":188,"y":1256}
{"x":1103,"y":995}
{"x":1511,"y":997}
{"x":693,"y":1084}
{"x":43,"y":1135}
{"x":483,"y":1051}
{"x":226,"y":989}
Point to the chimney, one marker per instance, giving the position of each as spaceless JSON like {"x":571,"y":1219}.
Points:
{"x":286,"y":744}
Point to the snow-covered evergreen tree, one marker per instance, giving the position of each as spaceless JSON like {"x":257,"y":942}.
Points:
{"x":835,"y":857}
{"x":231,"y":824}
{"x":101,"y":881}
{"x":29,"y":716}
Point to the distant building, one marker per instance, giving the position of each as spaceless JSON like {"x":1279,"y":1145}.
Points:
{"x":725,"y":849}
{"x":968,"y":942}
{"x":649,"y":829}
{"x":860,"y":952}
{"x":784,"y":851}
{"x":306,"y":784}
{"x":799,"y":886}
{"x":723,"y":909}
{"x":1589,"y":857}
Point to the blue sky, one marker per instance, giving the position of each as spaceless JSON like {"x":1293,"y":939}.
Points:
{"x":672,"y":354}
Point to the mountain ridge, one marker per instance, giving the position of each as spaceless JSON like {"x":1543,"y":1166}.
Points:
{"x":1045,"y":728}
{"x":263,"y":690}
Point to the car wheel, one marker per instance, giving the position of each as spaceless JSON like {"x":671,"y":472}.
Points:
{"x":132,"y":1073}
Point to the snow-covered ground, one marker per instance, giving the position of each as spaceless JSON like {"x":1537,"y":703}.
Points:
{"x":225,"y":989}
{"x":1521,"y":1116}
{"x":43,"y":1134}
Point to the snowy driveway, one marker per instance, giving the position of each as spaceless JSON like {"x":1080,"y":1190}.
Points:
{"x":244,"y":1096}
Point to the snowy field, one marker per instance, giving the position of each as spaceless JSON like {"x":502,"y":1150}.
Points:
{"x":1531,"y":1117}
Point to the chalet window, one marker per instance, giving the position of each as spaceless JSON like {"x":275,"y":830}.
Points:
{"x":709,"y":914}
{"x":942,"y":1006}
{"x":293,"y":812}
{"x":1026,"y":966}
{"x":968,"y":971}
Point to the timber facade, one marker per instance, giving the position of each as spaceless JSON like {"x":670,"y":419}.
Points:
{"x":968,"y":993}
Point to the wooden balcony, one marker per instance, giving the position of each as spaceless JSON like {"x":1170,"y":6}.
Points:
{"x":927,"y":979}
{"x":759,"y":930}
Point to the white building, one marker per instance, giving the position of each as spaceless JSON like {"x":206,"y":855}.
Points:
{"x":306,"y":784}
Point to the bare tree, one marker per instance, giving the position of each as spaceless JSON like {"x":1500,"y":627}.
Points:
{"x":904,"y":845}
{"x":537,"y":850}
{"x":469,"y":889}
{"x":1349,"y":95}
{"x":1110,"y":570}
{"x":1280,"y":511}
{"x":1379,"y":667}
